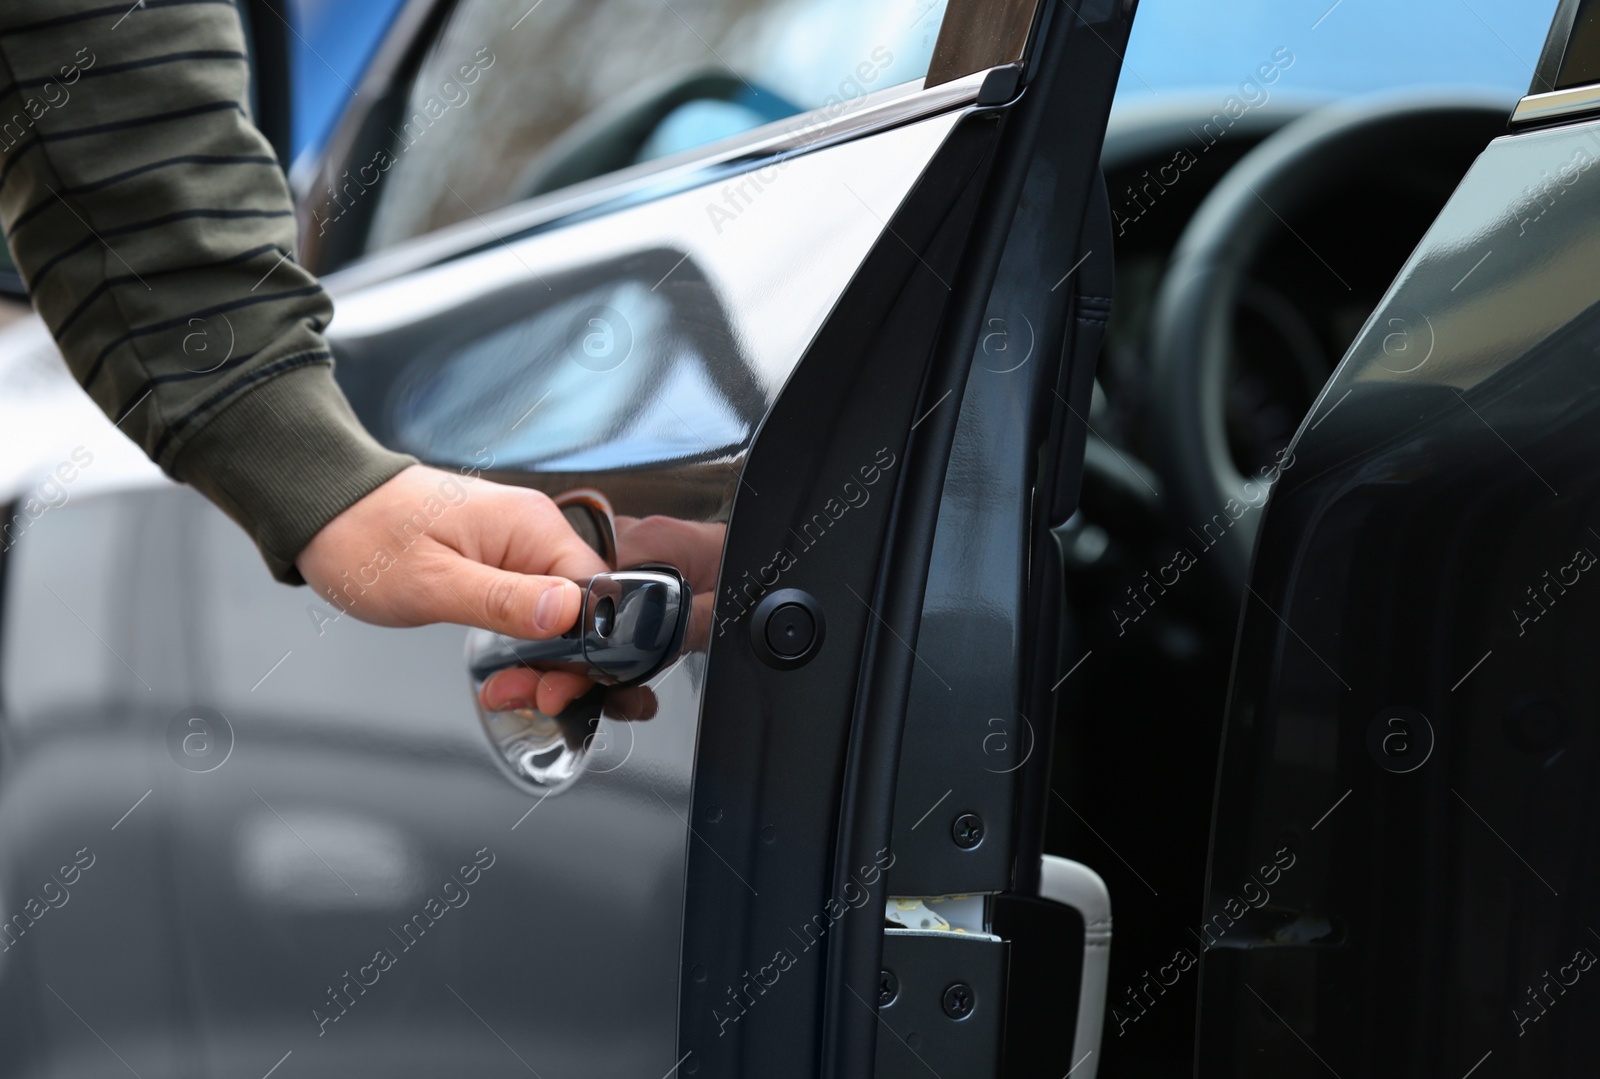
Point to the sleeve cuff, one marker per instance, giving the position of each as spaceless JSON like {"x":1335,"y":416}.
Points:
{"x":284,"y":459}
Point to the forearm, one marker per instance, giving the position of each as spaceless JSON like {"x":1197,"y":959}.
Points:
{"x":153,"y":226}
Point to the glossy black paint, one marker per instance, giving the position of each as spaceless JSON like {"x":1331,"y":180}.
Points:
{"x":1402,"y":872}
{"x":771,"y":756}
{"x":832,"y":734}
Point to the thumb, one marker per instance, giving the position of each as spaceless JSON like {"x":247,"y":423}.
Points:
{"x":517,"y":605}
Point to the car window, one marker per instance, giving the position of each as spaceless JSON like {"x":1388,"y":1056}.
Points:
{"x":513,"y":100}
{"x":1335,"y":48}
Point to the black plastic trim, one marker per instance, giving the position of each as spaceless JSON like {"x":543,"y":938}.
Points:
{"x":778,"y":750}
{"x":270,"y":78}
{"x":1547,"y":73}
{"x":364,"y":129}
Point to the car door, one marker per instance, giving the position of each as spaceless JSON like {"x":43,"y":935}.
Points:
{"x":1410,"y":743}
{"x":829,"y":368}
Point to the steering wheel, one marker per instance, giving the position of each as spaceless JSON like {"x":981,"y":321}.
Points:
{"x":1302,"y":166}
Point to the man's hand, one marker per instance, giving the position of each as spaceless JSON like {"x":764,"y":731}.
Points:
{"x":431,"y":546}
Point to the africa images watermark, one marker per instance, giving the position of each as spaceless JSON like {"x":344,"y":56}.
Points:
{"x":1551,"y":589}
{"x":1253,"y":495}
{"x":1142,"y":195}
{"x":53,"y":895}
{"x":1542,"y":998}
{"x":453,"y":895}
{"x":751,"y":988}
{"x":48,"y":494}
{"x":1252,"y":895}
{"x":737,"y":198}
{"x":348,"y":190}
{"x":450,"y":494}
{"x":741,"y":596}
{"x":52,"y":95}
{"x":1542,"y":196}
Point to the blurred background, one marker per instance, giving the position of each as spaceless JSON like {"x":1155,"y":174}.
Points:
{"x":1357,"y":46}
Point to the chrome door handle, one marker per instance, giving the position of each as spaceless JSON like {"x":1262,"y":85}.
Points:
{"x":631,"y":626}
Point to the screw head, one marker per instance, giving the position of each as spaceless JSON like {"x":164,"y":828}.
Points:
{"x":967,"y":831}
{"x":959,"y":1000}
{"x":888,"y":988}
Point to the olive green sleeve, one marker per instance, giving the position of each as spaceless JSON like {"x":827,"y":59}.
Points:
{"x":153,"y":226}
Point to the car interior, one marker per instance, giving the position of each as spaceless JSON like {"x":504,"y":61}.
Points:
{"x":1158,"y":682}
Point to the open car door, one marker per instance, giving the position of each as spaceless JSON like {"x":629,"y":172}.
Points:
{"x":833,"y":368}
{"x":829,"y":372}
{"x":1402,"y":876}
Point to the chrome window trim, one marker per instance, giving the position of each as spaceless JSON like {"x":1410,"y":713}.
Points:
{"x":1556,"y":105}
{"x":892,"y":107}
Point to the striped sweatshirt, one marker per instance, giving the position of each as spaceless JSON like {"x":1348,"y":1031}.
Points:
{"x":153,"y":226}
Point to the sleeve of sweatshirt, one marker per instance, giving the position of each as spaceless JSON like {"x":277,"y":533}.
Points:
{"x":153,"y":226}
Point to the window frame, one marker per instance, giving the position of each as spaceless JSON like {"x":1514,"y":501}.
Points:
{"x":974,"y":37}
{"x":1554,"y":97}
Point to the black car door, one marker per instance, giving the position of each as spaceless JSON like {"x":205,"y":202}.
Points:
{"x":1410,"y":749}
{"x":828,"y":368}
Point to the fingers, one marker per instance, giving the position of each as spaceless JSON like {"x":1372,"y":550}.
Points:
{"x":517,"y":605}
{"x":482,"y":557}
{"x":520,"y":687}
{"x":551,"y":691}
{"x":522,"y":530}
